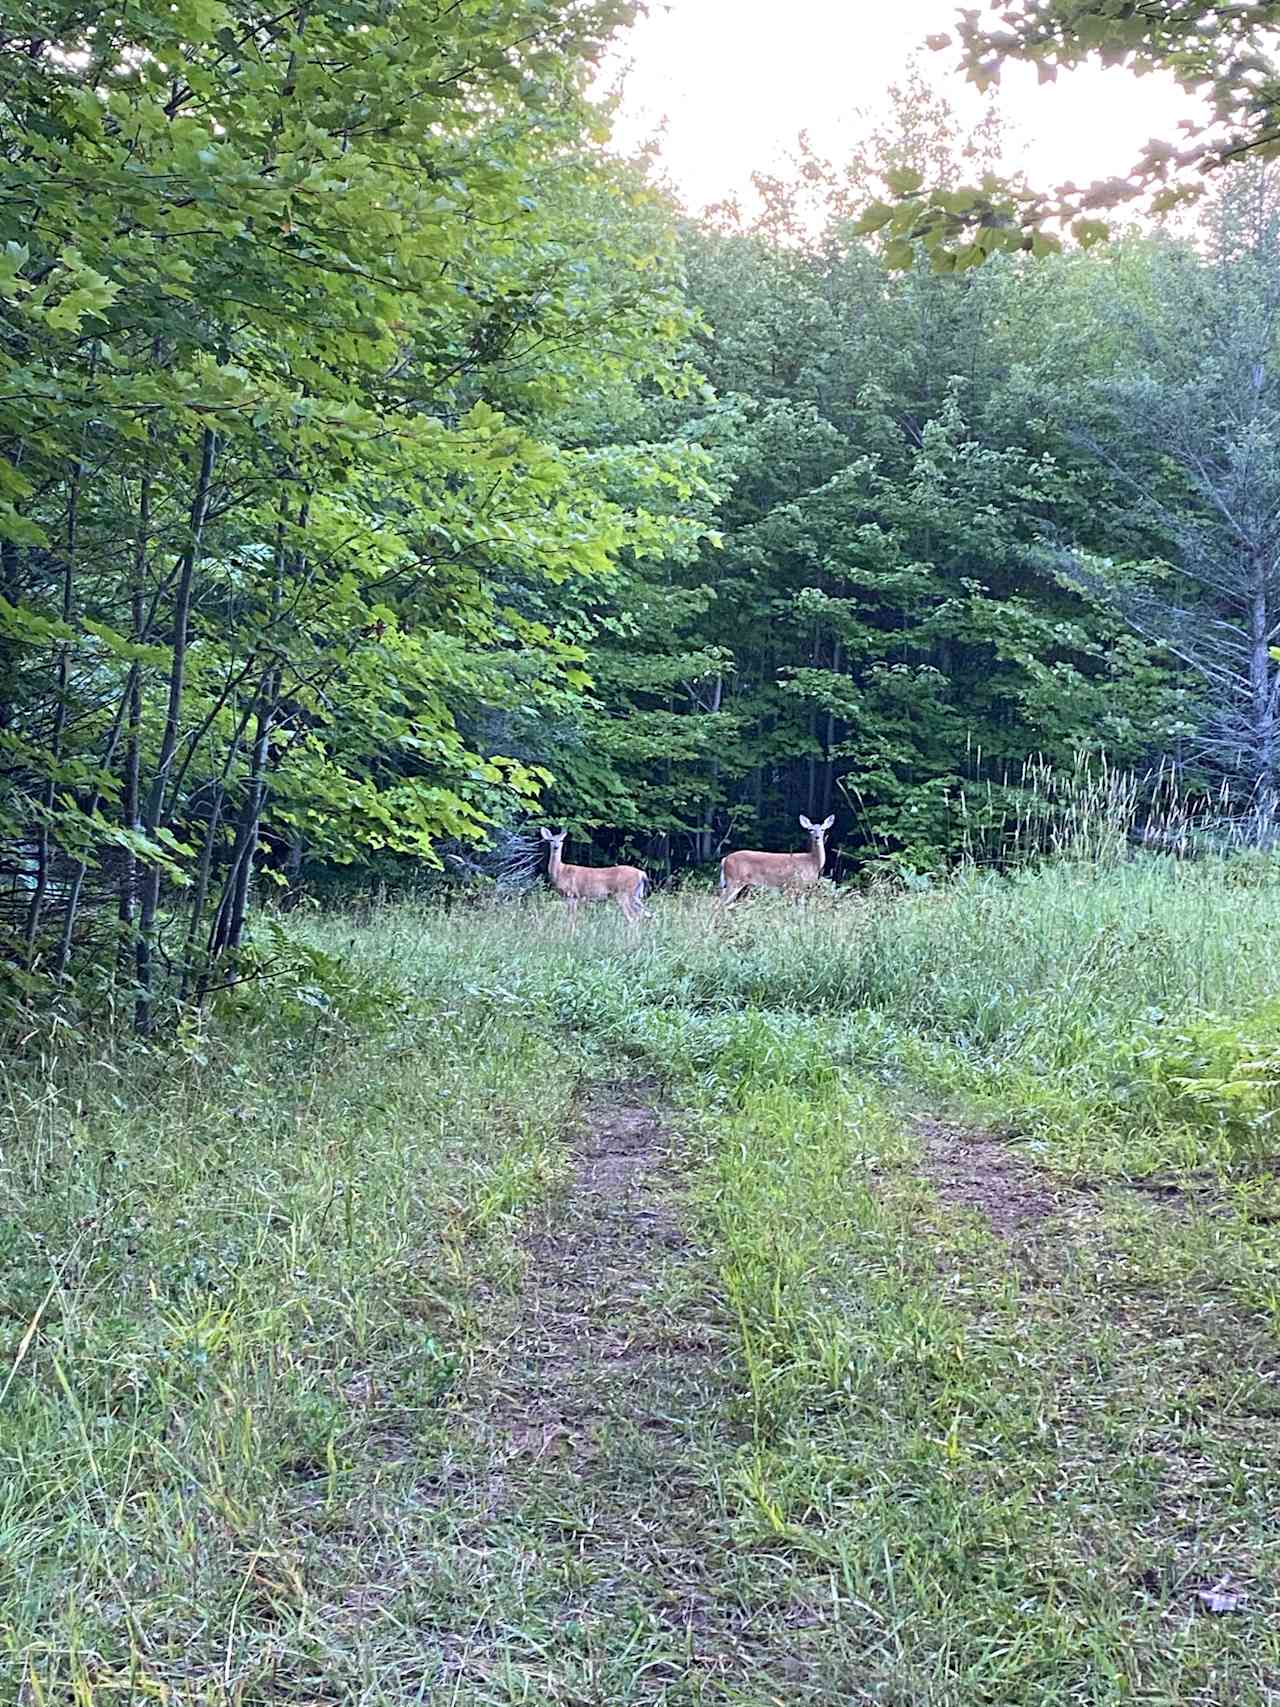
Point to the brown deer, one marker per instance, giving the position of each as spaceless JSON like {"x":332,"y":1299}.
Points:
{"x":746,"y":870}
{"x":625,"y":884}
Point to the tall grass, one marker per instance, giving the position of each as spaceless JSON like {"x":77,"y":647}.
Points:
{"x":1094,"y":810}
{"x":240,"y":1279}
{"x":246,"y":1274}
{"x":1049,"y":995}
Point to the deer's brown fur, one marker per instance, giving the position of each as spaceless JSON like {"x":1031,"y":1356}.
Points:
{"x":625,"y":885}
{"x":789,"y":871}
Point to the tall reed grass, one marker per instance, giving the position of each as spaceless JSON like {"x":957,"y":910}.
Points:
{"x":1094,"y":810}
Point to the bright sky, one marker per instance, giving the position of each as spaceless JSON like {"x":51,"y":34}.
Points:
{"x":737,"y":80}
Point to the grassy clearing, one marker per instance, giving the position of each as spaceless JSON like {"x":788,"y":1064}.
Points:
{"x":340,"y":1366}
{"x":1055,"y":998}
{"x":241,"y":1282}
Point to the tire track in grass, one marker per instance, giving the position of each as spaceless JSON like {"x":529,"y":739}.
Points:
{"x":1106,"y":1263}
{"x":634,"y":1547}
{"x":596,"y":1412}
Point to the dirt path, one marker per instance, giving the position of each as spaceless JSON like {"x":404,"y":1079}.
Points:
{"x":599,"y":1267}
{"x":599,"y":1525}
{"x":975,"y":1170}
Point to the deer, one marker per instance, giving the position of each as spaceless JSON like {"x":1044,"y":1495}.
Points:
{"x":623,"y":884}
{"x":791,"y":872}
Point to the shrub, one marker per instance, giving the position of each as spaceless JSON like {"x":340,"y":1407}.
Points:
{"x":1223,"y":1074}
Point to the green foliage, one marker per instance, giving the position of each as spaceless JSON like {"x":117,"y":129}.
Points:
{"x":1223,"y":56}
{"x":464,"y":487}
{"x":279,"y":981}
{"x":879,"y":625}
{"x":296,"y":309}
{"x":1222,"y":1074}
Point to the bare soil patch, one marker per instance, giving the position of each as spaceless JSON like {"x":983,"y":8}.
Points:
{"x":975,"y":1170}
{"x":595,"y":1258}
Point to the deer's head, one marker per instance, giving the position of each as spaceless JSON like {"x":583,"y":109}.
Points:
{"x":556,"y":839}
{"x":816,"y":831}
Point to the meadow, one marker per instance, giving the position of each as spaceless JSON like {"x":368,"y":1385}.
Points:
{"x":874,"y":1300}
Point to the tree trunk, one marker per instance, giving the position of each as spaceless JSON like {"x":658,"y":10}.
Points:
{"x":131,"y":804}
{"x":173,"y":722}
{"x":92,"y":804}
{"x":811,"y":767}
{"x":10,"y":565}
{"x":228,"y":926}
{"x":43,"y":841}
{"x":257,"y":798}
{"x":293,"y":872}
{"x":204,"y":870}
{"x":704,"y":841}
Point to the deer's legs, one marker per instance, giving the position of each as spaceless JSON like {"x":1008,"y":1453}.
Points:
{"x":630,"y":909}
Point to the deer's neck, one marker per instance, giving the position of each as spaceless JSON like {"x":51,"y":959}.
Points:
{"x":818,"y":854}
{"x":555,"y":868}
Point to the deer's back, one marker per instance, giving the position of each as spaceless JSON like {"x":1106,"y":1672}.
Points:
{"x":769,"y":871}
{"x":594,"y":882}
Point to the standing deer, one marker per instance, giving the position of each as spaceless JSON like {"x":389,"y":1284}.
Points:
{"x":625,"y":884}
{"x":745,"y":870}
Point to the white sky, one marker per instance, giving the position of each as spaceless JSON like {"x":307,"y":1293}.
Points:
{"x":737,"y":80}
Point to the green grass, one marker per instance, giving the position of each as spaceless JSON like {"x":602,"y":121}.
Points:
{"x":1002,"y":1474}
{"x":1048,"y":998}
{"x":279,"y":1294}
{"x":241,"y":1282}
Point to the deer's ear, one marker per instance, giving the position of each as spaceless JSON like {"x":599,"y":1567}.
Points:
{"x":804,"y":823}
{"x":828,"y":822}
{"x":546,"y":834}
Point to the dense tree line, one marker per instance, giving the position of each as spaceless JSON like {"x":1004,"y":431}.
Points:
{"x":966,"y":522}
{"x":383,"y":463}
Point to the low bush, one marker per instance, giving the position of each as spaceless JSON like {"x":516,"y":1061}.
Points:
{"x":1221,"y":1075}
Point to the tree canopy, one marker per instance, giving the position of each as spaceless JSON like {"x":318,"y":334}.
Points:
{"x":292,"y":306}
{"x":1223,"y":57}
{"x":385,"y":467}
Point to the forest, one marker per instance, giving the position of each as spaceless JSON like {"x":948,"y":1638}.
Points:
{"x":376,"y":490}
{"x":412,"y":1293}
